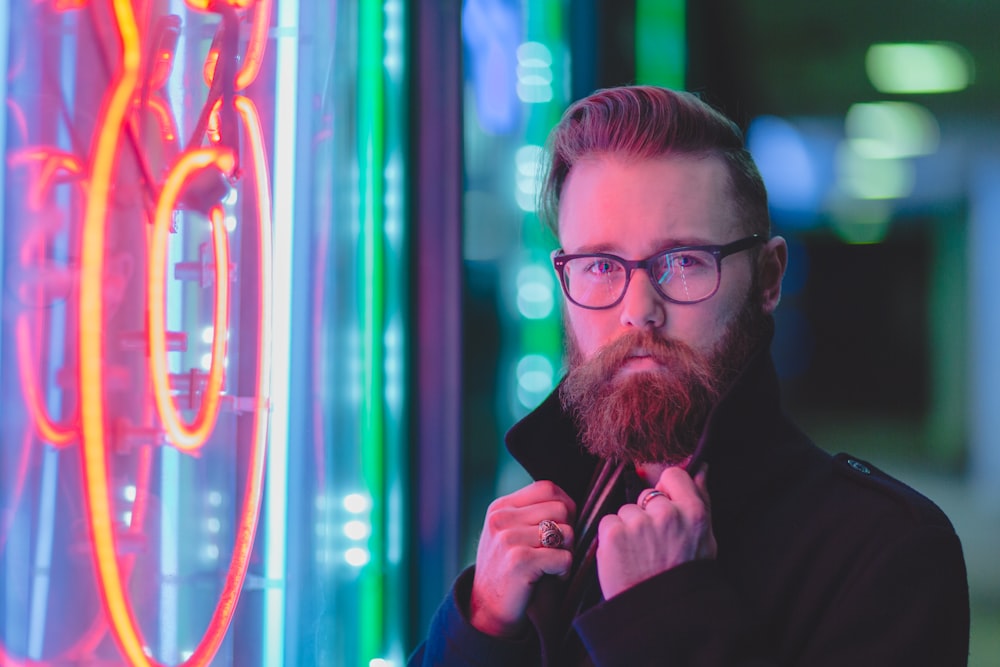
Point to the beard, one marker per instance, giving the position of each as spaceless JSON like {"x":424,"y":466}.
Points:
{"x":656,"y":416}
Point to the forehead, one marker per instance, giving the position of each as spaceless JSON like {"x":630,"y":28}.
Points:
{"x":637,"y":206}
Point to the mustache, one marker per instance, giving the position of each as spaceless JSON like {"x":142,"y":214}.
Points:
{"x":609,"y":359}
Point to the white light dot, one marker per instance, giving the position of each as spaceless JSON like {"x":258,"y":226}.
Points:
{"x":128,"y":493}
{"x":214,"y":498}
{"x":357,"y":556}
{"x":357,"y":530}
{"x":206,"y":334}
{"x":355,"y":503}
{"x":213,"y":525}
{"x":211,"y":552}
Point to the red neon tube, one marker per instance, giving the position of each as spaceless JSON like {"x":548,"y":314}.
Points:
{"x":188,"y":438}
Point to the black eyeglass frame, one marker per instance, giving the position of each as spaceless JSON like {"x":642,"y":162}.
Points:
{"x":719,"y":252}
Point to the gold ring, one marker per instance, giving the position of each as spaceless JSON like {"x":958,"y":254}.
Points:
{"x":549,"y":534}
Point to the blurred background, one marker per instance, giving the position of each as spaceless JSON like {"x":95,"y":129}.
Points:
{"x":273,"y":289}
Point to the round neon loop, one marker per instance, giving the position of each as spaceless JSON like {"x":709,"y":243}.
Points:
{"x":183,"y":436}
{"x":95,"y":443}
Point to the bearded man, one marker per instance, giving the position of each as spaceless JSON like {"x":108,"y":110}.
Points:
{"x":679,"y":517}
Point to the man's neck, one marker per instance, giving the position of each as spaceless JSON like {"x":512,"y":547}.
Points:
{"x":650,"y":472}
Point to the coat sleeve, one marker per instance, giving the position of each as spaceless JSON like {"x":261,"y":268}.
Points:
{"x":906,"y":605}
{"x":452,"y":640}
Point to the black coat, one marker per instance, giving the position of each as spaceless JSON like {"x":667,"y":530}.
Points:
{"x":821,"y":561}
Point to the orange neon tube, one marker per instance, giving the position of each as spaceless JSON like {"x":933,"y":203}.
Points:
{"x":164,"y":119}
{"x":256,"y":44}
{"x":116,"y":603}
{"x":255,"y":47}
{"x":51,"y":159}
{"x":186,"y":437}
{"x":57,"y":435}
{"x":250,"y":510}
{"x":91,"y":337}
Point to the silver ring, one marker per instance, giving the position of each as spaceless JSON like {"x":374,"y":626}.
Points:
{"x":549,"y":534}
{"x":649,"y":496}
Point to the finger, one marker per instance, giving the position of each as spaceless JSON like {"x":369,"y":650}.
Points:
{"x":530,"y":535}
{"x":553,"y":561}
{"x":537,"y":492}
{"x":649,"y":495}
{"x":629,"y":514}
{"x":553,"y":510}
{"x":567,"y":537}
{"x":676,"y":483}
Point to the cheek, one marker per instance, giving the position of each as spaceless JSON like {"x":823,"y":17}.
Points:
{"x":585,"y":327}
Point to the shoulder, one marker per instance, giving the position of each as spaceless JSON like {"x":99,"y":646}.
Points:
{"x":879,"y":495}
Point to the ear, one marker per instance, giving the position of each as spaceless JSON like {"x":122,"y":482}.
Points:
{"x":771,"y":263}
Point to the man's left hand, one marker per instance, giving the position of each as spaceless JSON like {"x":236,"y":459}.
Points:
{"x":674,"y":528}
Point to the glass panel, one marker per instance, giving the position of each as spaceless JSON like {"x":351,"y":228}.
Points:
{"x":202,"y":333}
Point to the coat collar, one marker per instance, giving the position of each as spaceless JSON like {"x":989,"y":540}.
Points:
{"x":739,"y":440}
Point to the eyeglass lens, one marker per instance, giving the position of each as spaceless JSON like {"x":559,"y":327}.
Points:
{"x":597,"y":281}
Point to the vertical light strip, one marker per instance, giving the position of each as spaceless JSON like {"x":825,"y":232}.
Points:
{"x":4,"y":47}
{"x":371,"y":151}
{"x":50,"y":463}
{"x":660,"y":42}
{"x":43,"y":553}
{"x":170,"y":482}
{"x":170,"y":458}
{"x":283,"y":171}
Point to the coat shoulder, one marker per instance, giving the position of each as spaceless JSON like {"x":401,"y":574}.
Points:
{"x":876,"y":487}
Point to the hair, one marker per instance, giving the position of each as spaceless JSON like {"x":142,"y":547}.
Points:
{"x":644,"y":122}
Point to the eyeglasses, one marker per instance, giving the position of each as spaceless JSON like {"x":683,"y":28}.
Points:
{"x":681,"y":275}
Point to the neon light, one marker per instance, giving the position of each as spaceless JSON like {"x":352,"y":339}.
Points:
{"x":254,"y":56}
{"x":164,"y":117}
{"x":51,"y":160}
{"x":58,"y":435}
{"x":255,"y":47}
{"x":285,"y":96}
{"x":91,"y":356}
{"x":371,"y":112}
{"x":114,"y":599}
{"x":211,"y":62}
{"x":186,"y":437}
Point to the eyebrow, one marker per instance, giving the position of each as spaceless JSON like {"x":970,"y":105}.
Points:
{"x":660,"y":246}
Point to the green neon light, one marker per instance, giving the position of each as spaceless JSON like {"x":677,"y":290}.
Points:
{"x":371,"y":152}
{"x":660,"y":43}
{"x":545,"y":24}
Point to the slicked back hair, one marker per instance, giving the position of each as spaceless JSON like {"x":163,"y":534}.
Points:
{"x":643,"y":122}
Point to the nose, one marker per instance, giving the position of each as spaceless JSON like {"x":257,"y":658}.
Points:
{"x":642,"y":306}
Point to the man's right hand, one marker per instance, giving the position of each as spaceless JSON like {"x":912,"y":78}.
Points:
{"x":511,"y":559}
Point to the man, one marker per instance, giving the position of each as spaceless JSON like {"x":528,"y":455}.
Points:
{"x":679,"y":518}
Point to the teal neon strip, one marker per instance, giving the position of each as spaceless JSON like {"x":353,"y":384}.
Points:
{"x":371,"y":157}
{"x":283,"y":188}
{"x":660,"y":42}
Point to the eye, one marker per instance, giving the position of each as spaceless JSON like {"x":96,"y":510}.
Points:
{"x":686,"y":261}
{"x":601,"y":266}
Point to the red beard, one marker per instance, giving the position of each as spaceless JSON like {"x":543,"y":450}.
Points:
{"x":654,"y":416}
